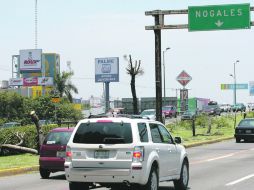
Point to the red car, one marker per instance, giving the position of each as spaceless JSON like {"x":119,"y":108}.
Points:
{"x":52,"y":152}
{"x":169,"y":111}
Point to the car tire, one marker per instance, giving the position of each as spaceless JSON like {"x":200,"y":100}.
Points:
{"x":78,"y":186}
{"x":44,"y":173}
{"x":182,"y":183}
{"x":237,"y":140}
{"x":153,"y":181}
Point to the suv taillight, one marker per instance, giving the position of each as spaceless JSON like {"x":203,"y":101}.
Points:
{"x":68,"y":154}
{"x":138,"y":154}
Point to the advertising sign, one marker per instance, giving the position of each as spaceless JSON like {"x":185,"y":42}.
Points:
{"x":32,"y":81}
{"x":183,"y":78}
{"x":251,"y":85}
{"x":45,"y":81}
{"x":30,"y":60}
{"x":219,"y":17}
{"x":232,"y":86}
{"x":16,"y":82}
{"x":107,"y":69}
{"x":183,"y":100}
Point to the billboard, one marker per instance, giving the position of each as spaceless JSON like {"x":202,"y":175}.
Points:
{"x":251,"y":85}
{"x":232,"y":86}
{"x":31,"y":81}
{"x":107,"y":69}
{"x":45,"y":81}
{"x":16,"y":82}
{"x":30,"y":60}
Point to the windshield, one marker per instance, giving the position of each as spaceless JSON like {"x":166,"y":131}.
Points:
{"x":246,"y":123}
{"x":57,"y":138}
{"x":103,"y":133}
{"x":165,"y":108}
{"x":148,"y":112}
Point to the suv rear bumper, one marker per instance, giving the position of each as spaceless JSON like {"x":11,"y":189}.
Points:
{"x":105,"y":175}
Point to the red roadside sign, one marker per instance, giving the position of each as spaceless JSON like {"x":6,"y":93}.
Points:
{"x":183,"y":78}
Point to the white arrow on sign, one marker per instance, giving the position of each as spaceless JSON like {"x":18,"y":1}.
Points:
{"x":219,"y":23}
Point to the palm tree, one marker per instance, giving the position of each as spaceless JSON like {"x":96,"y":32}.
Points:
{"x":64,"y":85}
{"x":133,"y":71}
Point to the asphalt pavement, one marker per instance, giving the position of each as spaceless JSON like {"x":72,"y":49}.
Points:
{"x":221,"y":166}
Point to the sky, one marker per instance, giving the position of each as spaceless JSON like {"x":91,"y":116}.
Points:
{"x":82,"y":30}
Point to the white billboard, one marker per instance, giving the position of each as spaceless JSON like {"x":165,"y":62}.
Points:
{"x":107,"y":69}
{"x":16,"y":82}
{"x":30,"y":60}
{"x":45,"y":81}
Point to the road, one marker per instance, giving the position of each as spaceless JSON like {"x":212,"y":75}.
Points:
{"x":220,"y":166}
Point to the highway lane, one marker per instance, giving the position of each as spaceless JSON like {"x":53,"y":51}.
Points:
{"x":221,"y":166}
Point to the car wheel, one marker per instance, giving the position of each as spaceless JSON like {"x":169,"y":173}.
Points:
{"x":78,"y":186}
{"x":153,"y":181}
{"x":237,"y":140}
{"x":44,"y":173}
{"x":182,"y":183}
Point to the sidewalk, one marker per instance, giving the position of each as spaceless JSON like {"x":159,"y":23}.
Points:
{"x":15,"y":171}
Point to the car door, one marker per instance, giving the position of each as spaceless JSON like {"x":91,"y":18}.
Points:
{"x":173,"y":157}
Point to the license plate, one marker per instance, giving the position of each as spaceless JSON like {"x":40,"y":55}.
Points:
{"x":248,"y":131}
{"x":101,"y":154}
{"x":60,"y":154}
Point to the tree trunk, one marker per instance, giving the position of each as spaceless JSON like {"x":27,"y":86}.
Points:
{"x":134,"y":96}
{"x":19,"y":148}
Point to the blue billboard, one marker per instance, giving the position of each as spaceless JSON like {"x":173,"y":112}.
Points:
{"x":232,"y":86}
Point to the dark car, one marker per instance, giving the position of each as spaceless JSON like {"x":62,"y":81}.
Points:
{"x":169,"y":111}
{"x":239,"y":107}
{"x":212,"y":110}
{"x":10,"y":124}
{"x":245,"y":130}
{"x":188,"y":115}
{"x":52,"y":152}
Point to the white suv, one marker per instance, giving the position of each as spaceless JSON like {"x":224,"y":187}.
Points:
{"x":116,"y":151}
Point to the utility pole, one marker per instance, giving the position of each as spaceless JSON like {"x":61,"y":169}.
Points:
{"x":164,"y":80}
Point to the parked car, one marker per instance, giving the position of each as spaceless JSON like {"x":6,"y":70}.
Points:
{"x":211,"y":110}
{"x":251,"y":106}
{"x":239,"y":107}
{"x":10,"y":124}
{"x":169,"y":111}
{"x":225,"y":107}
{"x":188,"y":115}
{"x":245,"y":130}
{"x":116,"y":151}
{"x":52,"y":151}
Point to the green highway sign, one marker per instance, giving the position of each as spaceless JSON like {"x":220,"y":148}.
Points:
{"x":219,"y":17}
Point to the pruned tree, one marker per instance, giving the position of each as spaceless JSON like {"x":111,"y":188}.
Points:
{"x":134,"y":69}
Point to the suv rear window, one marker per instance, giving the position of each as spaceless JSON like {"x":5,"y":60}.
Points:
{"x":103,"y":133}
{"x":57,"y":138}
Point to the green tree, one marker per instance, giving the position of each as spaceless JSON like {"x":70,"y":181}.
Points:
{"x":64,"y":85}
{"x":134,"y":70}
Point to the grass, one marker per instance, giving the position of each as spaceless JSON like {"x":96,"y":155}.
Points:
{"x":17,"y":161}
{"x":222,"y":127}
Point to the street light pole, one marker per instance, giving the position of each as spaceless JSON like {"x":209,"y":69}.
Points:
{"x":164,"y":80}
{"x":235,"y":83}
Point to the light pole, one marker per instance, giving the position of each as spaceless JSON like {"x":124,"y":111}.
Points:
{"x":164,"y":81}
{"x":234,"y":77}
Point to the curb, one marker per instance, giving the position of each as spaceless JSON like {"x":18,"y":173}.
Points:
{"x":15,"y":171}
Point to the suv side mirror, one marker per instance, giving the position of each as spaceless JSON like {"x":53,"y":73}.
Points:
{"x":178,"y":140}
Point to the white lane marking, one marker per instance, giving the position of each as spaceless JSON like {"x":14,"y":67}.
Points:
{"x":240,"y":180}
{"x":218,"y":158}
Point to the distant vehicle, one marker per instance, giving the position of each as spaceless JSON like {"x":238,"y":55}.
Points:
{"x":251,"y":106}
{"x":239,"y":107}
{"x":188,"y":115}
{"x":151,"y":114}
{"x":225,"y":107}
{"x":212,"y":110}
{"x":245,"y":130}
{"x":169,"y":111}
{"x":52,"y":151}
{"x":44,"y":122}
{"x":10,"y":124}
